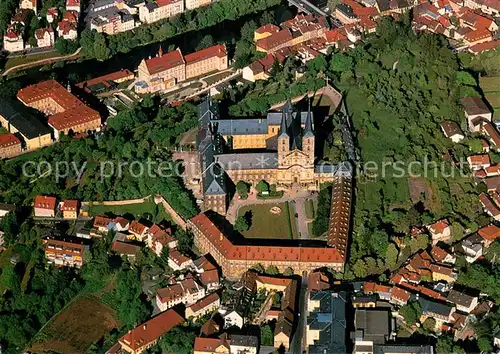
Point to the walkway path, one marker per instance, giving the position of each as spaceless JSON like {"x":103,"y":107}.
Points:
{"x":75,"y":55}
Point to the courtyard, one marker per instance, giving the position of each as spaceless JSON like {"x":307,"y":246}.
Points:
{"x":271,"y":220}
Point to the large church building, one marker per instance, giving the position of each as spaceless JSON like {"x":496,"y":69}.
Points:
{"x":279,"y":149}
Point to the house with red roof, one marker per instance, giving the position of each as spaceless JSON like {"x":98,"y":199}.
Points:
{"x":489,"y":206}
{"x":45,"y":37}
{"x":440,"y":231}
{"x":489,"y":234}
{"x":159,"y":238}
{"x":52,"y":14}
{"x":211,"y":345}
{"x":479,"y":162}
{"x":138,"y":229}
{"x":147,"y":334}
{"x":101,"y":225}
{"x":202,"y":307}
{"x":13,"y":38}
{"x":177,"y":261}
{"x":70,"y":209}
{"x":73,"y":5}
{"x":186,"y":291}
{"x":44,"y":206}
{"x":159,"y":10}
{"x":10,"y":146}
{"x":442,"y":256}
{"x":399,"y":296}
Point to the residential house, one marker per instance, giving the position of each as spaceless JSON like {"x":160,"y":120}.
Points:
{"x":452,"y":131}
{"x":160,"y":9}
{"x":243,"y":344}
{"x":126,"y":249}
{"x":5,"y":209}
{"x":443,"y":272}
{"x":204,"y":306}
{"x":476,"y":112}
{"x":119,"y":224}
{"x":66,"y":28}
{"x":52,"y":14}
{"x":489,"y":207}
{"x":177,"y":261}
{"x":211,"y":346}
{"x":45,"y":37}
{"x":441,"y":312}
{"x":101,"y":224}
{"x":73,"y":5}
{"x":472,"y":247}
{"x":442,"y":256}
{"x":496,"y":340}
{"x":318,"y":280}
{"x":10,"y":146}
{"x":29,"y":5}
{"x":383,"y":291}
{"x":139,"y":230}
{"x":70,"y":209}
{"x":13,"y":38}
{"x":159,"y":238}
{"x":147,"y":334}
{"x":44,"y":206}
{"x":210,"y":279}
{"x":186,"y":291}
{"x":489,"y":234}
{"x":68,"y":252}
{"x":479,"y":162}
{"x":440,"y":231}
{"x":462,"y":301}
{"x":399,"y":296}
{"x":206,"y":60}
{"x":233,"y":318}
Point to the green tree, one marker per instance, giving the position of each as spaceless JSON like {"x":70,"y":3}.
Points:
{"x":391,"y":255}
{"x":272,"y":270}
{"x":288,"y":272}
{"x":178,"y":340}
{"x":429,"y":325}
{"x":411,"y":312}
{"x":100,"y":47}
{"x":241,"y":224}
{"x":266,"y":335}
{"x":262,"y":186}
{"x":242,"y":188}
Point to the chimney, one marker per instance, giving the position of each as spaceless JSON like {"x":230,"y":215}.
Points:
{"x":144,"y":327}
{"x":221,"y":236}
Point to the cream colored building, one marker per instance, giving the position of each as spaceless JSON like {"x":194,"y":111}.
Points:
{"x":194,"y":4}
{"x":206,"y":60}
{"x":160,"y":9}
{"x":45,"y":37}
{"x":12,"y":41}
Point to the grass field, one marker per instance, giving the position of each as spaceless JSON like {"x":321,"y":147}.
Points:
{"x":490,"y":83}
{"x":76,"y":327}
{"x":310,"y":208}
{"x":268,"y":225}
{"x":3,"y":130}
{"x":30,"y":58}
{"x":137,"y":210}
{"x":493,"y":99}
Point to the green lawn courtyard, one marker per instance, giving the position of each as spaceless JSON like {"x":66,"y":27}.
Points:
{"x":265,"y":224}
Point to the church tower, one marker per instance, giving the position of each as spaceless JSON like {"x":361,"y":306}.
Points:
{"x":283,"y":138}
{"x":308,"y":137}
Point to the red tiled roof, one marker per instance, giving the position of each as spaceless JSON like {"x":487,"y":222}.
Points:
{"x":40,"y":32}
{"x":267,"y":28}
{"x":209,"y":277}
{"x":208,"y":345}
{"x":165,"y":62}
{"x":400,"y":294}
{"x":65,"y":27}
{"x":7,"y":140}
{"x":125,"y":248}
{"x":44,"y":202}
{"x":439,"y":226}
{"x":151,"y":330}
{"x":481,"y":47}
{"x":137,"y":227}
{"x":166,"y":2}
{"x":177,"y":257}
{"x":72,"y":3}
{"x":117,"y":75}
{"x":70,"y":205}
{"x":335,"y":35}
{"x":492,"y":132}
{"x":273,"y":280}
{"x":74,"y":112}
{"x":441,"y":269}
{"x":261,"y":253}
{"x":488,"y":205}
{"x":438,"y":253}
{"x":207,"y":53}
{"x":170,"y":293}
{"x":490,"y":232}
{"x":478,"y":34}
{"x":206,"y":301}
{"x":430,"y":293}
{"x":275,"y":39}
{"x":101,"y":221}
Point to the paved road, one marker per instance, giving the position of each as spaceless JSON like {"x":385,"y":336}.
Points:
{"x":299,"y":340}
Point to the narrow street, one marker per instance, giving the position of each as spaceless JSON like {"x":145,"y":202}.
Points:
{"x":299,"y":340}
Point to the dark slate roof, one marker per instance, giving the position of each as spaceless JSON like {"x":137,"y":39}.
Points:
{"x":244,"y":341}
{"x":375,"y":324}
{"x":274,"y":118}
{"x":23,"y":119}
{"x":242,"y":126}
{"x":7,"y":207}
{"x":248,"y":161}
{"x":459,"y":298}
{"x":330,"y":319}
{"x":434,"y":307}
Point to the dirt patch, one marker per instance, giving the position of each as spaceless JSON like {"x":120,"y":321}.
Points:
{"x":422,"y":190}
{"x":76,"y":327}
